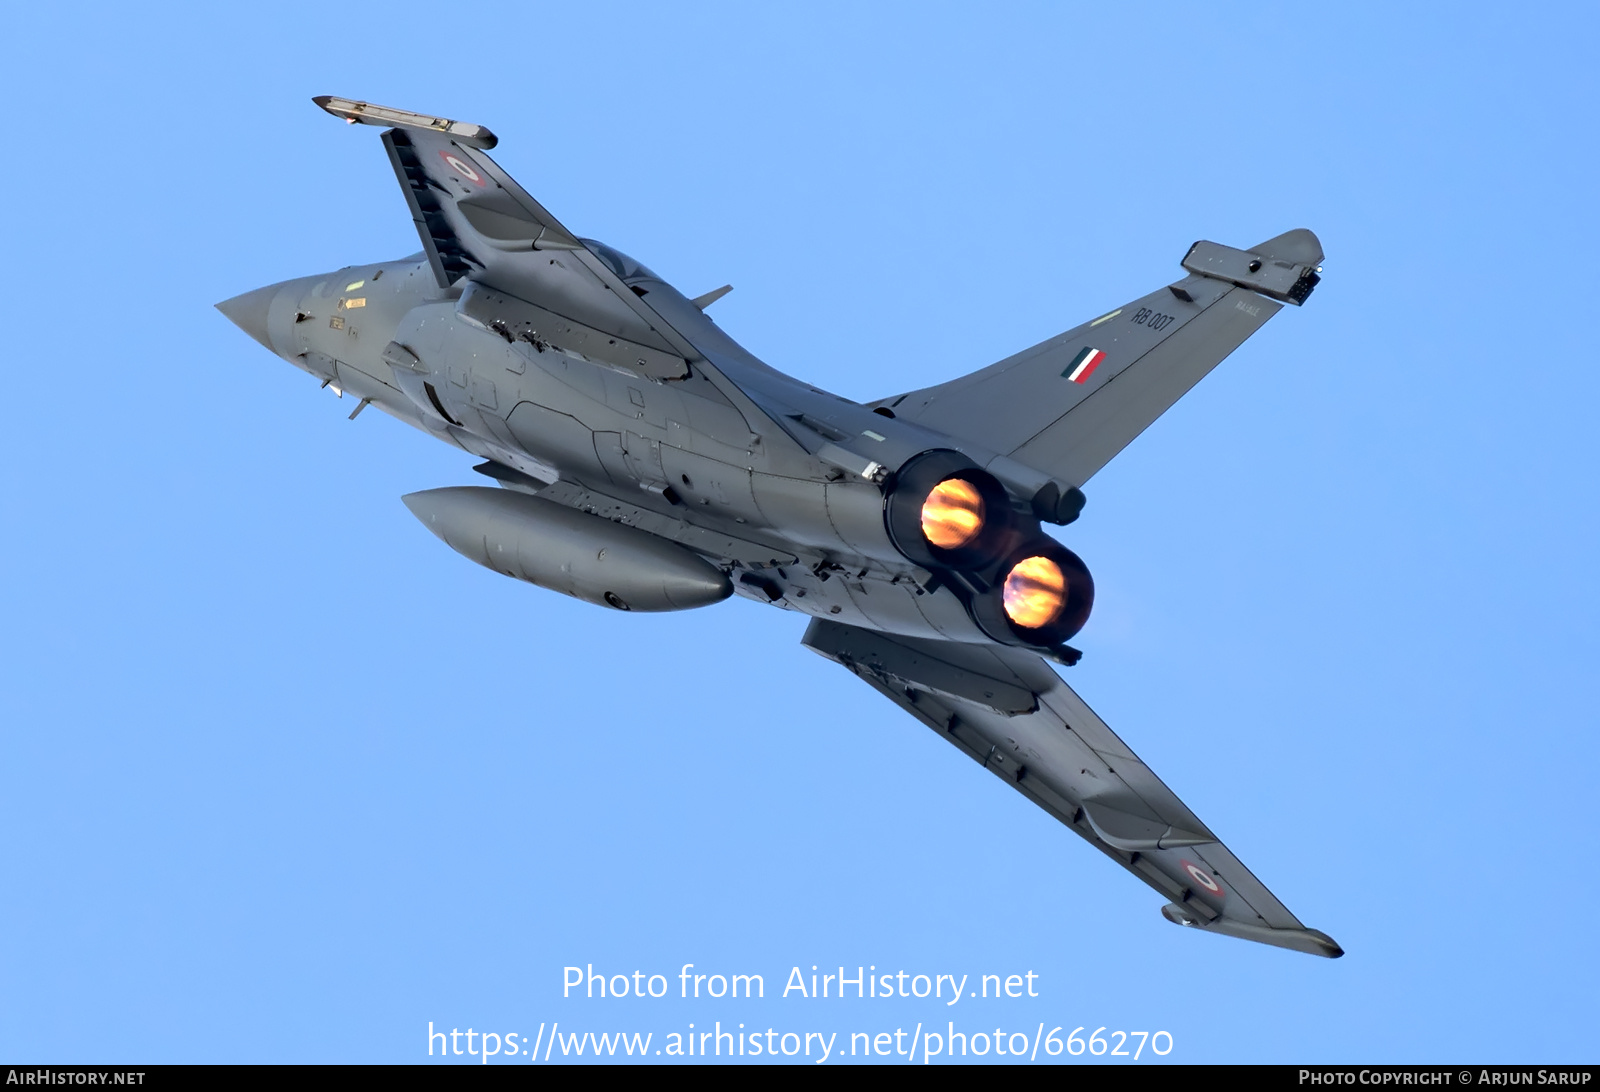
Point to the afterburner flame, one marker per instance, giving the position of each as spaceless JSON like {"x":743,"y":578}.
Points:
{"x":1035,"y":592}
{"x":952,"y":515}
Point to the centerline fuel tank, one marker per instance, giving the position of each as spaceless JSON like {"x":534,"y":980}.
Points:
{"x":568,"y":551}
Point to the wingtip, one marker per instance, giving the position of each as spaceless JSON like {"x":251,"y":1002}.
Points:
{"x":1330,"y":947}
{"x":1310,"y":941}
{"x":367,"y":113}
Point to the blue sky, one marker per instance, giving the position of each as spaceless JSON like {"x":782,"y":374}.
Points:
{"x":286,"y":780}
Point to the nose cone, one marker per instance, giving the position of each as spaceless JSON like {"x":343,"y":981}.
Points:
{"x":249,"y":312}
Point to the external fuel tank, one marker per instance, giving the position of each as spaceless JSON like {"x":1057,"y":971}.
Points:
{"x":569,"y":551}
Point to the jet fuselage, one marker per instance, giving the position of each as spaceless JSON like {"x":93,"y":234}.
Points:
{"x":646,"y":461}
{"x":796,"y":519}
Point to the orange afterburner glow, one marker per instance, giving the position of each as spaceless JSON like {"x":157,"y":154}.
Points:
{"x":952,"y":515}
{"x":1035,"y":593}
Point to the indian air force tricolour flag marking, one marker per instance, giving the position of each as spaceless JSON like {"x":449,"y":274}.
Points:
{"x":1084,"y":364}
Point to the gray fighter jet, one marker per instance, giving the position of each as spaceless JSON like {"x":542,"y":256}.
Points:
{"x":645,"y":461}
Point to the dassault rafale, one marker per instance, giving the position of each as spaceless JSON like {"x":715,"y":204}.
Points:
{"x":642,"y":460}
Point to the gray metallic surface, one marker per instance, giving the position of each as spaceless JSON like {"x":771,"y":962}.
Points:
{"x":576,"y":554}
{"x":1068,"y":761}
{"x":647,"y":461}
{"x":249,"y":312}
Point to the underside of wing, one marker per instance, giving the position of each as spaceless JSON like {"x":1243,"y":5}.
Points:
{"x":525,"y":276}
{"x":1067,"y":406}
{"x":477,"y":223}
{"x":1007,"y":710}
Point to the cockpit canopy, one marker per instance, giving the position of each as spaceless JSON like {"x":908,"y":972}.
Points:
{"x":619,"y":263}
